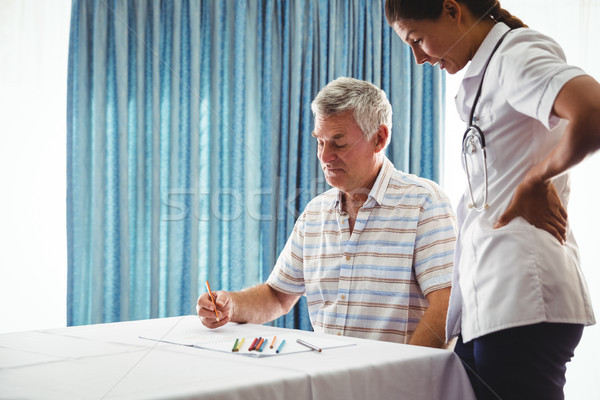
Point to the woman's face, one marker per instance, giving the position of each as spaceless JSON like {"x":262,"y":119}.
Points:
{"x":438,"y":42}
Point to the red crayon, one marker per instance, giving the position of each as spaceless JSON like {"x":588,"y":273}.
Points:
{"x":253,"y":344}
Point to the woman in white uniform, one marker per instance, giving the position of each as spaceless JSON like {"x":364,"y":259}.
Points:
{"x":519,"y":301}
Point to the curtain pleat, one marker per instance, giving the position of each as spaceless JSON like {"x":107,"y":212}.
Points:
{"x":189,"y":146}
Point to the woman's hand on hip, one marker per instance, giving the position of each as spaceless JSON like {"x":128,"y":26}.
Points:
{"x":539,"y":204}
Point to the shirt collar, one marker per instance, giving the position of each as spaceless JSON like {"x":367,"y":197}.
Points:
{"x":377,"y":193}
{"x":485,"y":50}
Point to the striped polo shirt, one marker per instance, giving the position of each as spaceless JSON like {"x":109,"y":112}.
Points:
{"x":371,"y":283}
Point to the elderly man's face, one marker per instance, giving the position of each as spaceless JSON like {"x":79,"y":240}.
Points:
{"x":348,"y":159}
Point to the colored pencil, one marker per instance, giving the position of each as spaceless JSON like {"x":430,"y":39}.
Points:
{"x":280,"y":346}
{"x":263,"y":346}
{"x":260,"y":342}
{"x":253,"y":344}
{"x":213,"y":300}
{"x":240,"y":344}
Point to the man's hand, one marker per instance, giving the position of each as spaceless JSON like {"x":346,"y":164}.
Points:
{"x":206,"y":310}
{"x":256,"y":305}
{"x":538,"y":203}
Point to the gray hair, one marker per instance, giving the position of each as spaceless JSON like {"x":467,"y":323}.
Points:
{"x":369,"y":104}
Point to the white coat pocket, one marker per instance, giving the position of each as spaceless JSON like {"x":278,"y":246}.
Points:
{"x":500,"y":279}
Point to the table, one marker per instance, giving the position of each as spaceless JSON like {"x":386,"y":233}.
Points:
{"x":111,"y":361}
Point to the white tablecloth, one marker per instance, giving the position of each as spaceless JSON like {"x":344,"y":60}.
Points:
{"x":111,"y":361}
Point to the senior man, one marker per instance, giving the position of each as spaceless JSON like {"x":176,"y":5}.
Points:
{"x":374,"y":254}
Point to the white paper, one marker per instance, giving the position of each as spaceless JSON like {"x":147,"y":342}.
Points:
{"x":225,"y":343}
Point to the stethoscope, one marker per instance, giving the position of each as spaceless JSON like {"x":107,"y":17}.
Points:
{"x":474,"y":138}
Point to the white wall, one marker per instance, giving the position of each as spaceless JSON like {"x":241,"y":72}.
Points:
{"x":573,"y":24}
{"x":33,"y":86}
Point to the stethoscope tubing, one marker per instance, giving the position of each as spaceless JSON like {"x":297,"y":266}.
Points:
{"x":469,"y":136}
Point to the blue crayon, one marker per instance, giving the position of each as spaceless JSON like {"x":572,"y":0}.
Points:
{"x":264,"y":344}
{"x":280,"y":347}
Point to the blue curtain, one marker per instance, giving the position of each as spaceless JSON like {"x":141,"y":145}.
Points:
{"x":189,"y":146}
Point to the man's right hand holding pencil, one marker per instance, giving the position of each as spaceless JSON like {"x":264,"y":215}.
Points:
{"x":214,"y":312}
{"x":256,"y":305}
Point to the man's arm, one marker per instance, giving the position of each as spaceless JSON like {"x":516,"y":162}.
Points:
{"x":431,"y":330}
{"x":256,"y":305}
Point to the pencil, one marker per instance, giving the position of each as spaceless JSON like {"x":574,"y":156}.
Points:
{"x":310,"y":346}
{"x":240,"y":345}
{"x":262,"y":347}
{"x":273,"y":342}
{"x":253,"y":344}
{"x":235,"y":345}
{"x":260,"y":343}
{"x":213,"y":300}
{"x":280,"y":346}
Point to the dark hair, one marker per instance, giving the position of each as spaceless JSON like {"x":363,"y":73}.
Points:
{"x":396,"y":10}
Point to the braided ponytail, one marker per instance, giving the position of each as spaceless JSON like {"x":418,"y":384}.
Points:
{"x":499,"y":14}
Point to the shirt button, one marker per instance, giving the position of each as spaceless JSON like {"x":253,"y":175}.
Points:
{"x":347,"y":258}
{"x":343,"y":297}
{"x":339,"y":333}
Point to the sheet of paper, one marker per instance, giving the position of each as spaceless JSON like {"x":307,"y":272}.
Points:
{"x":225,"y":343}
